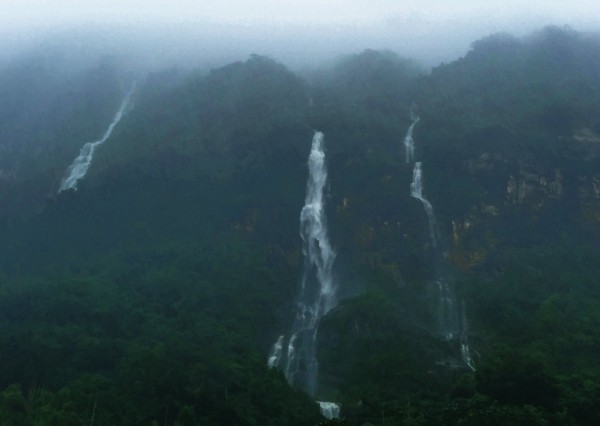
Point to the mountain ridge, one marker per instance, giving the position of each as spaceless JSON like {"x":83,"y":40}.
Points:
{"x":186,"y":231}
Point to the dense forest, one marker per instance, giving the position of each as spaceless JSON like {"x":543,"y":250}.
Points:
{"x":152,"y":293}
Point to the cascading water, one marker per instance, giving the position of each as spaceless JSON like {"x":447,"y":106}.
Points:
{"x":330,"y":410}
{"x":465,"y":350}
{"x":447,"y":317}
{"x":449,"y":324}
{"x":318,"y":290}
{"x":447,"y":310}
{"x":78,"y":169}
{"x":409,"y":142}
{"x":318,"y":253}
{"x":416,"y":191}
{"x":465,"y":353}
{"x":317,"y":294}
{"x":275,"y":354}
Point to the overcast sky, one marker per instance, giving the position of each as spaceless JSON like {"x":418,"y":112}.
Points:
{"x":431,"y":30}
{"x":294,"y":11}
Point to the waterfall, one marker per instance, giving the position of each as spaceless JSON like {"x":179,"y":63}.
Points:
{"x":78,"y":169}
{"x":409,"y":142}
{"x":318,"y":291}
{"x":448,"y":317}
{"x":317,"y":294}
{"x":330,"y":410}
{"x":465,"y":350}
{"x":318,"y":253}
{"x":447,"y":310}
{"x":275,"y":354}
{"x":416,"y":191}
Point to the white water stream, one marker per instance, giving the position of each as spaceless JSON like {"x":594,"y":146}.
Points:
{"x":318,"y":289}
{"x":79,"y":168}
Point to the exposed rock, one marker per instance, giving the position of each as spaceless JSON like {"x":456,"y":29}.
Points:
{"x":485,"y":162}
{"x":461,"y":257}
{"x":460,"y":227}
{"x":529,"y":187}
{"x":589,"y":189}
{"x":490,"y":210}
{"x":588,"y":141}
{"x":365,"y":235}
{"x":465,"y":260}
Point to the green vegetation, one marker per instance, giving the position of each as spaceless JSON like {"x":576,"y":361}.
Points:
{"x":152,"y":294}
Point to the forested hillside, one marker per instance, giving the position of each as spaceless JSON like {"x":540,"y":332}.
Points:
{"x":153,"y":293}
{"x":45,"y":113}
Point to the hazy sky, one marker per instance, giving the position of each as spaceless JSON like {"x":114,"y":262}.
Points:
{"x":431,"y":30}
{"x":294,"y":11}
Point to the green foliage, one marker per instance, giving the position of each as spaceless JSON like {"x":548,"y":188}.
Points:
{"x":234,"y":118}
{"x":514,"y":378}
{"x":164,"y":341}
{"x":46,"y":116}
{"x":153,"y":293}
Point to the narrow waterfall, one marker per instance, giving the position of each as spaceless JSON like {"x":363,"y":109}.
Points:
{"x":409,"y":142}
{"x":465,"y":350}
{"x":275,"y":354}
{"x":450,"y":325}
{"x":330,"y":410}
{"x":318,"y":290}
{"x":78,"y":169}
{"x":416,"y":191}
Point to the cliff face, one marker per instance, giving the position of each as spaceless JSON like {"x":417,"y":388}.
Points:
{"x":48,"y":112}
{"x":510,"y":165}
{"x":548,"y":198}
{"x":203,"y":181}
{"x":508,"y":140}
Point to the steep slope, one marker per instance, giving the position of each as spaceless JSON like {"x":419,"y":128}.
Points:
{"x":46,"y":114}
{"x":234,"y":118}
{"x":180,"y":254}
{"x":508,"y":148}
{"x":212,"y":348}
{"x":512,"y":128}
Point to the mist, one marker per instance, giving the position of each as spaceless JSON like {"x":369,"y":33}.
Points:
{"x":276,"y":212}
{"x":150,"y":35}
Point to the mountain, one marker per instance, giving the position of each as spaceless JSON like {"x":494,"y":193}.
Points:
{"x":155,"y":290}
{"x":46,"y":112}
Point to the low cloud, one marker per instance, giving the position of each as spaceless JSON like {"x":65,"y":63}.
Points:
{"x":301,"y":33}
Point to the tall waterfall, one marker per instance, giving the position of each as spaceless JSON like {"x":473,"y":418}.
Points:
{"x":416,"y":191}
{"x":78,"y":169}
{"x":409,"y":142}
{"x":317,"y":294}
{"x":465,"y":349}
{"x":318,"y":290}
{"x":318,"y":253}
{"x":451,"y":325}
